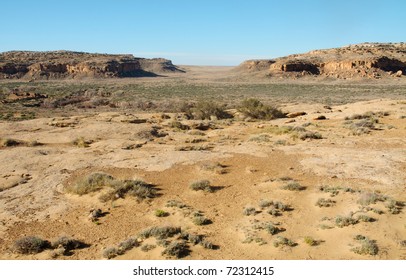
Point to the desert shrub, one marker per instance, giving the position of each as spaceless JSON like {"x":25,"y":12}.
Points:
{"x":260,"y":138}
{"x":91,"y":183}
{"x":283,"y":241}
{"x":276,"y":208}
{"x":292,"y":186}
{"x":298,"y":129}
{"x":196,"y":239}
{"x":127,"y":245}
{"x":68,"y":243}
{"x":159,"y":232}
{"x":365,"y":218}
{"x":272,"y":229}
{"x":367,"y":198}
{"x":175,"y":203}
{"x":136,"y":188}
{"x":281,"y":206}
{"x":310,"y":241}
{"x":332,"y":190}
{"x":176,"y":249}
{"x":265,"y":203}
{"x":147,"y":247}
{"x":110,"y":252}
{"x":217,"y":167}
{"x":255,"y":109}
{"x":203,"y":185}
{"x":368,"y":247}
{"x":205,"y":110}
{"x":30,"y":245}
{"x":322,"y":202}
{"x":207,"y":245}
{"x":192,"y":238}
{"x":362,"y":126}
{"x":393,"y":206}
{"x":377,"y":211}
{"x":161,"y":213}
{"x":342,"y":221}
{"x":200,"y":220}
{"x":139,"y":189}
{"x":367,"y":115}
{"x":274,"y":212}
{"x":249,"y":211}
{"x":310,"y":135}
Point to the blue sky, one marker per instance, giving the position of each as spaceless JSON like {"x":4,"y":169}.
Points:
{"x":199,"y":32}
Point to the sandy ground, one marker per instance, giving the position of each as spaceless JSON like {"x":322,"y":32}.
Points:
{"x":255,"y":161}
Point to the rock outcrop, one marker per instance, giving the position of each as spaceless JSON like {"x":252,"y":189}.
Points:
{"x":66,"y":64}
{"x":368,"y":60}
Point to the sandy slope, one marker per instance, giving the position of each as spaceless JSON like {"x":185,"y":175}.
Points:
{"x":33,"y":178}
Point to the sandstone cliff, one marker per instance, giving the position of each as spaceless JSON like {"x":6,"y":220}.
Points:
{"x":66,"y":64}
{"x":368,"y":60}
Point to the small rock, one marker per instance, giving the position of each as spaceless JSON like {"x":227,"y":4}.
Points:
{"x":399,"y":73}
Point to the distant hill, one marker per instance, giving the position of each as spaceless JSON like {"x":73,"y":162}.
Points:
{"x":367,"y":60}
{"x":68,"y":64}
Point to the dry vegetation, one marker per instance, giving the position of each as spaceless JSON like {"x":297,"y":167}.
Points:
{"x":168,"y":167}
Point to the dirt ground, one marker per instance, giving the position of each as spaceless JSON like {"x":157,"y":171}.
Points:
{"x":361,"y":172}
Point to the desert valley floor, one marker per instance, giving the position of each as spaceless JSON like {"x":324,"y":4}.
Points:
{"x":328,"y":184}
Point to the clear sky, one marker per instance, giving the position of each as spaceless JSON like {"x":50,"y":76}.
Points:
{"x":199,"y":32}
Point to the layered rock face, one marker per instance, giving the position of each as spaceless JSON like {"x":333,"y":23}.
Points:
{"x":65,"y":64}
{"x":369,"y":60}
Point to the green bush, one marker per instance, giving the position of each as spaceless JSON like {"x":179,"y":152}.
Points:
{"x":161,"y":213}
